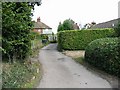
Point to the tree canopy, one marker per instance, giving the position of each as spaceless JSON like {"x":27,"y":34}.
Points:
{"x":16,"y":27}
{"x":117,"y":29}
{"x":67,"y":24}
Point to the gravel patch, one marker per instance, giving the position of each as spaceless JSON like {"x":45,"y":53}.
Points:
{"x":74,"y":54}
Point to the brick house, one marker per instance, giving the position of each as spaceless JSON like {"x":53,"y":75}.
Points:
{"x":41,"y":27}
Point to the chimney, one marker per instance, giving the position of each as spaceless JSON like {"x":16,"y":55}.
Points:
{"x":38,"y":19}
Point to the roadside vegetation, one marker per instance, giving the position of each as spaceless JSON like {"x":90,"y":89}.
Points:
{"x":25,"y":74}
{"x":79,"y":39}
{"x":67,"y":24}
{"x":21,"y":75}
{"x":101,"y":47}
{"x":20,"y":46}
{"x":104,"y":54}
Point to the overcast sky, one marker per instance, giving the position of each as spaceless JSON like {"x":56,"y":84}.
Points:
{"x":52,"y":12}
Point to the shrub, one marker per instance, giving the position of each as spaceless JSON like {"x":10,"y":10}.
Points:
{"x":54,"y":41}
{"x":16,"y":26}
{"x":79,"y":39}
{"x":104,"y":54}
{"x":19,"y":75}
{"x":117,"y":29}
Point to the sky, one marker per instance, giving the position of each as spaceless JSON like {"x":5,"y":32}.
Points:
{"x":52,"y":12}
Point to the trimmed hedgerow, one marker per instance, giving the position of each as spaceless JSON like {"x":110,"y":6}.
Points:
{"x":104,"y":54}
{"x":79,"y":39}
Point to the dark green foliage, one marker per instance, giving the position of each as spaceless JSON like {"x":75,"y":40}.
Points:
{"x":44,"y":36}
{"x":60,"y":27}
{"x":67,"y":25}
{"x":79,"y":39}
{"x":117,"y":29}
{"x":32,"y":4}
{"x":35,"y":35}
{"x":104,"y":54}
{"x":16,"y":27}
{"x":54,"y":41}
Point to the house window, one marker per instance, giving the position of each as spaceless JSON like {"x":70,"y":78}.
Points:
{"x":39,"y":30}
{"x":113,"y":25}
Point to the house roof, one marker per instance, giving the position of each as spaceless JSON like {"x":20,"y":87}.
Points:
{"x":75,"y":26}
{"x":41,"y":25}
{"x":108,"y":24}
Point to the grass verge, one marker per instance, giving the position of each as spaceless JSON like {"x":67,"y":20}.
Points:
{"x":79,"y":60}
{"x":21,"y":75}
{"x":113,"y":80}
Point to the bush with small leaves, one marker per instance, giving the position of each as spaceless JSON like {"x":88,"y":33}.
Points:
{"x":104,"y":54}
{"x":79,"y":39}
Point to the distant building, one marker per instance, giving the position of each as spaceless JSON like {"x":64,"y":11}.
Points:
{"x":41,"y":27}
{"x":75,"y":26}
{"x":108,"y":24}
{"x":89,"y":25}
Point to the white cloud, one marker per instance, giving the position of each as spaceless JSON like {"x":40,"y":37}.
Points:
{"x":81,"y":11}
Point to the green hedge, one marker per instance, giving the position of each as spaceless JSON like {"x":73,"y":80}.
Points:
{"x":79,"y":39}
{"x":104,"y":54}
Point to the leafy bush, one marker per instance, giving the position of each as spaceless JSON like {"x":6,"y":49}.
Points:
{"x":44,"y":36}
{"x":79,"y":39}
{"x":104,"y":54}
{"x":19,"y":75}
{"x":54,"y":41}
{"x":117,"y":29}
{"x":68,"y":24}
{"x":16,"y":26}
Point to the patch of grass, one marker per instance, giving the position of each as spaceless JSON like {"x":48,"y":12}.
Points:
{"x":93,"y":69}
{"x":23,"y":75}
{"x":79,"y":60}
{"x":20,"y":75}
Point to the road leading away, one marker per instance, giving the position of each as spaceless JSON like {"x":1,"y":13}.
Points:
{"x":60,"y":71}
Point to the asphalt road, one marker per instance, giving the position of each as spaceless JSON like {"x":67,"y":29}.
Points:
{"x":60,"y":71}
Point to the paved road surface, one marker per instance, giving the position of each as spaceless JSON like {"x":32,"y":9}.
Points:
{"x":60,"y":71}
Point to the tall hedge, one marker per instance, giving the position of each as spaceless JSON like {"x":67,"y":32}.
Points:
{"x":79,"y":39}
{"x":16,"y":26}
{"x":104,"y":54}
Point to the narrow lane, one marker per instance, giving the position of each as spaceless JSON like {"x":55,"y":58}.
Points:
{"x":60,"y":71}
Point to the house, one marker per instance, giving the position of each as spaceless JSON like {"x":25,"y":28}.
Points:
{"x":89,"y":25}
{"x":75,"y":26}
{"x":108,"y":24}
{"x":41,"y":27}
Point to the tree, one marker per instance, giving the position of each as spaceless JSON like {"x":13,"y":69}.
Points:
{"x":16,"y":28}
{"x":117,"y":29}
{"x":60,"y":27}
{"x":68,"y":24}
